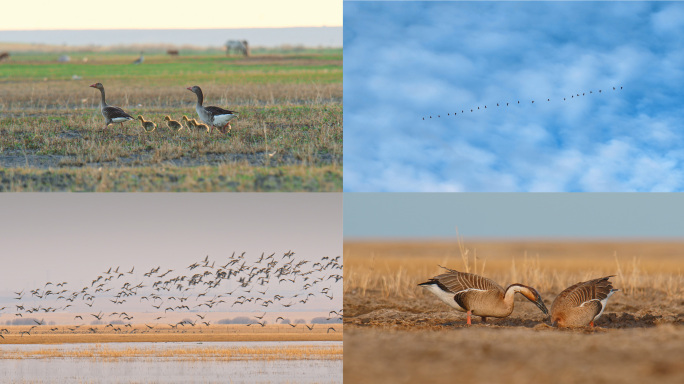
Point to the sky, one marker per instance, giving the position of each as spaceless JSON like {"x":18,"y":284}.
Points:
{"x":412,"y":216}
{"x":405,"y":61}
{"x":77,"y":237}
{"x":175,"y":14}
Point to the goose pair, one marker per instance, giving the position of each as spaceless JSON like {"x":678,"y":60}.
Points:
{"x":577,"y":306}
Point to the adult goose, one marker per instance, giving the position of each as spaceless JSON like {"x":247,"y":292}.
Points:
{"x":111,"y":113}
{"x":212,"y":116}
{"x":479,"y":296}
{"x":581,"y":304}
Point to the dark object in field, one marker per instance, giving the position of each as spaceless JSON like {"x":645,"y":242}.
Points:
{"x":581,"y":304}
{"x":212,"y":116}
{"x":477,"y":295}
{"x":172,"y":52}
{"x":4,"y":56}
{"x":111,"y":114}
{"x":237,"y":46}
{"x":140,"y":59}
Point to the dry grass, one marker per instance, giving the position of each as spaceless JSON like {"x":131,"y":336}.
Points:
{"x":164,"y":333}
{"x":303,"y":352}
{"x":399,"y":332}
{"x":395,"y":269}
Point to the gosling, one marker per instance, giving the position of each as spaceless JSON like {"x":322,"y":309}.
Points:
{"x":173,"y":124}
{"x":148,"y":126}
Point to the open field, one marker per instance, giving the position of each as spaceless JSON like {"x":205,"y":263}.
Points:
{"x":287,"y":137}
{"x":398,"y":332}
{"x":304,"y":352}
{"x":164,"y":333}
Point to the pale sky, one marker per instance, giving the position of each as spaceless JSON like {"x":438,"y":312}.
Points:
{"x":77,"y":237}
{"x":171,"y":14}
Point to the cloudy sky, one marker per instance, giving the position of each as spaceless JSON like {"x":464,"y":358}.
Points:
{"x":514,"y":215}
{"x":77,"y":237}
{"x":404,"y":61}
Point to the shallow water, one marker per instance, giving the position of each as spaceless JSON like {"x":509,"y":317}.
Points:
{"x":168,"y":370}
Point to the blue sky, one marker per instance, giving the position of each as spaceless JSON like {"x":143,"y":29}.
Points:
{"x":514,"y":215}
{"x":407,"y":60}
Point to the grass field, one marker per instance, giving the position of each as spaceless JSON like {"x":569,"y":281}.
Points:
{"x":399,"y":332}
{"x":288,"y":136}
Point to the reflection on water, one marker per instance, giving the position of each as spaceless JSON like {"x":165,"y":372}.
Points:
{"x":168,"y":370}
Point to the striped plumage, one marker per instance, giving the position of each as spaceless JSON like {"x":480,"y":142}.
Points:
{"x":479,"y":296}
{"x":581,"y":304}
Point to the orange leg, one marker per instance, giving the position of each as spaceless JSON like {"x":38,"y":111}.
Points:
{"x":469,"y":322}
{"x":591,"y":324}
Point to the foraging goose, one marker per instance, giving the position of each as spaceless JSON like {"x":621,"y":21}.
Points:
{"x":147,"y":125}
{"x":581,"y":304}
{"x":213,"y":116}
{"x":479,"y":296}
{"x":172,"y":124}
{"x":111,"y":114}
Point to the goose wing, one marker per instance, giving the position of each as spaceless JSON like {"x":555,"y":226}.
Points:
{"x":114,"y":112}
{"x":216,"y":111}
{"x":455,"y":281}
{"x":582,"y":293}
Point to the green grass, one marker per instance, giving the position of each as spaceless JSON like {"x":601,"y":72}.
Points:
{"x":324,"y":68}
{"x":288,"y":135}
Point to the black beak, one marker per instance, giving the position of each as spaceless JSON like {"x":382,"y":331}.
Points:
{"x":540,"y":303}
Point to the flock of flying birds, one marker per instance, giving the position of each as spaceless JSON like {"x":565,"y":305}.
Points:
{"x":271,"y":282}
{"x":506,"y":104}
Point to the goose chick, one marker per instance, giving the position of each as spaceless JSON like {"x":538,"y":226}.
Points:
{"x":147,"y":125}
{"x":188,"y":123}
{"x":200,"y":127}
{"x":172,"y":124}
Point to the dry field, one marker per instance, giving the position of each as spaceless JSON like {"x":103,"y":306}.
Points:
{"x":288,"y":136}
{"x":164,"y":333}
{"x":303,"y":352}
{"x":397,"y":332}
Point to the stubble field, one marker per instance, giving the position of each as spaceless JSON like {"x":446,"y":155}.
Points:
{"x":397,"y":332}
{"x":287,"y":137}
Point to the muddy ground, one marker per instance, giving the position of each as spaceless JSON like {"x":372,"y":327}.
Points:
{"x":400,"y":340}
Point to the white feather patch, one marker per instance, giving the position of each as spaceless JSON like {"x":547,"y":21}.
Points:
{"x":222,"y":120}
{"x":121,"y":119}
{"x":446,"y":297}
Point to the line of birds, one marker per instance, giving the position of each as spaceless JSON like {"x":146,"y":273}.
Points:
{"x":211,"y":117}
{"x":577,"y":306}
{"x":463,"y":111}
{"x":296,"y":281}
{"x":176,"y":126}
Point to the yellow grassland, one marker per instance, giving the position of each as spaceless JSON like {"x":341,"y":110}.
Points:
{"x":165,"y":333}
{"x":395,"y":268}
